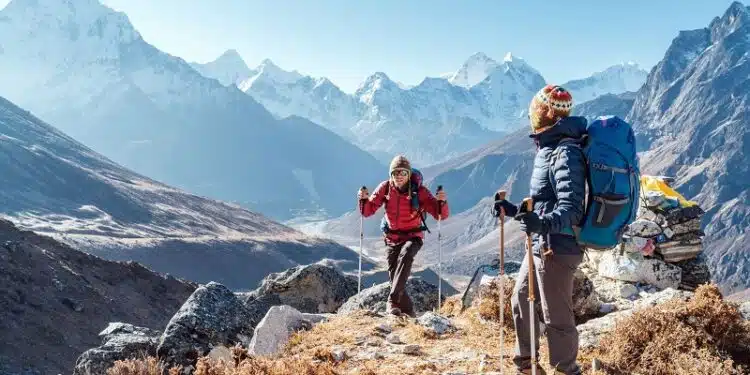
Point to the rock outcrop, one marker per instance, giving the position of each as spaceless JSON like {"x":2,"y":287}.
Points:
{"x":212,"y":316}
{"x":314,"y":288}
{"x":120,"y":341}
{"x":422,"y":294}
{"x":274,"y":330}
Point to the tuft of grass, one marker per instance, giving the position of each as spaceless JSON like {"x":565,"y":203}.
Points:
{"x":146,"y":366}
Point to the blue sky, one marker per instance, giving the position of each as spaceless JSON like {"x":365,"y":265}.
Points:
{"x":348,"y":40}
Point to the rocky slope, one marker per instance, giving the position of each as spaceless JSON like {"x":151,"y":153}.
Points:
{"x":691,"y":117}
{"x":56,"y":186}
{"x":86,"y":69}
{"x":54,"y":300}
{"x":360,"y":339}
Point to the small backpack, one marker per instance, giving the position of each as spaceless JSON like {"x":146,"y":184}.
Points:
{"x":416,"y":182}
{"x":612,"y":182}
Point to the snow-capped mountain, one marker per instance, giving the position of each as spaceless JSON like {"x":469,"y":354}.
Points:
{"x":83,"y":67}
{"x":57,"y":187}
{"x":229,"y":68}
{"x":476,"y":68}
{"x":481,"y":101}
{"x":385,"y":118}
{"x":692,"y":116}
{"x":292,"y":94}
{"x":613,"y":80}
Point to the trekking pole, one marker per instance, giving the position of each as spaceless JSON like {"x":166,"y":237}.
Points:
{"x":361,"y":237}
{"x":440,"y":250}
{"x":529,"y":203}
{"x":500,"y":195}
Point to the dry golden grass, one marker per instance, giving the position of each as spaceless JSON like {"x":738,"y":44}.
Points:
{"x":264,"y":366}
{"x":146,"y":366}
{"x":705,"y":335}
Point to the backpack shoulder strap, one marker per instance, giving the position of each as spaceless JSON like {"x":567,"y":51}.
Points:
{"x":564,"y":143}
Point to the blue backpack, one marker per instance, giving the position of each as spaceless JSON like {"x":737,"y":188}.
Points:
{"x":613,"y":182}
{"x":416,"y":182}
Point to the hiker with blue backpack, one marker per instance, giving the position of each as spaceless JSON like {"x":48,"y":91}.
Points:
{"x":407,"y":202}
{"x":571,"y":156}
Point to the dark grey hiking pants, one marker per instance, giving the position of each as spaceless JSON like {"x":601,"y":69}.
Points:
{"x":400,"y":259}
{"x":553,"y":293}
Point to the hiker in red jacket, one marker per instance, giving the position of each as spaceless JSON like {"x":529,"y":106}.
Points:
{"x":404,"y":230}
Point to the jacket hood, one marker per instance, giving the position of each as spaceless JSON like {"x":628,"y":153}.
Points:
{"x":568,"y":127}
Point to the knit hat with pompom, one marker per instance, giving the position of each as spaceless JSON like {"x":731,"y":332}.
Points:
{"x":548,"y":106}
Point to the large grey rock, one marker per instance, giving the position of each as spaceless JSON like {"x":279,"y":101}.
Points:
{"x":745,"y":310}
{"x":273,"y":332}
{"x":592,"y":331}
{"x":633,"y":267}
{"x":120,"y":341}
{"x":586,"y":301}
{"x":422,"y":294}
{"x":211,"y":316}
{"x":314,"y":288}
{"x":436,"y":323}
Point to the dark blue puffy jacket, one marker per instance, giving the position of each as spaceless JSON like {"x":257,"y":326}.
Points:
{"x":562,"y":205}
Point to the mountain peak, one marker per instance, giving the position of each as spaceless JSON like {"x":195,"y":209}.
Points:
{"x":270,"y":71}
{"x":508,"y":57}
{"x":735,"y":17}
{"x":229,"y":68}
{"x":474,"y":70}
{"x":231,"y":55}
{"x":70,"y":20}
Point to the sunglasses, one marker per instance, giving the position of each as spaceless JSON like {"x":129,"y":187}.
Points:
{"x":400,"y":172}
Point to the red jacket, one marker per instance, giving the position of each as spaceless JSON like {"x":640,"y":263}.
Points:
{"x":399,"y":212}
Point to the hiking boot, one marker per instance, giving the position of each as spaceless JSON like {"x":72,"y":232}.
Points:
{"x":393,"y":310}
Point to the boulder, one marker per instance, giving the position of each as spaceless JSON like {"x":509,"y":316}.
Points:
{"x":313,"y":288}
{"x":745,"y":310}
{"x":633,"y":267}
{"x":211,"y":316}
{"x":586,"y":301}
{"x":273,"y":332}
{"x":592,"y":331}
{"x":422,"y":294}
{"x":120,"y":341}
{"x":694,"y":273}
{"x":435,"y":323}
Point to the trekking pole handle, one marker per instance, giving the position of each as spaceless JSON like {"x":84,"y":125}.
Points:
{"x":362,"y":201}
{"x":439,"y":202}
{"x":500,"y":196}
{"x":529,"y":203}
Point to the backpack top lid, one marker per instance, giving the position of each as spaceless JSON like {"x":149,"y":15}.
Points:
{"x":614,"y":132}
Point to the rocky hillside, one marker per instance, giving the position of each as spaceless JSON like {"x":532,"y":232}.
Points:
{"x":56,"y":186}
{"x":617,"y":322}
{"x":54,"y":300}
{"x":691,"y":117}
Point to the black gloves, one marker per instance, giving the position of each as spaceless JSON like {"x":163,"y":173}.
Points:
{"x":530,"y":222}
{"x":510,"y":209}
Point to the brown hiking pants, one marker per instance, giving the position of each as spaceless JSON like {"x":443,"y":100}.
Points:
{"x":553,"y":290}
{"x":400,"y":258}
